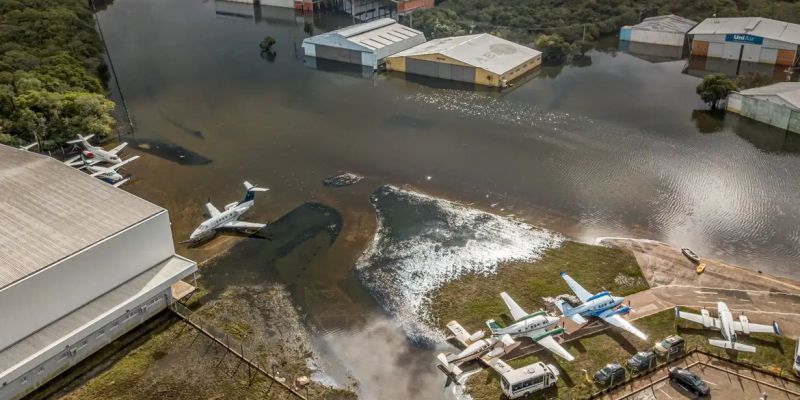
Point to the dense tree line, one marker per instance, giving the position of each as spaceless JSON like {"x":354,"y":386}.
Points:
{"x":52,"y":73}
{"x":575,"y":19}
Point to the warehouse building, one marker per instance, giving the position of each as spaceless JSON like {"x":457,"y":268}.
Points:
{"x":757,"y":40}
{"x":482,"y":59}
{"x":81,"y":263}
{"x":668,"y":30}
{"x":777,"y":105}
{"x":365,"y":44}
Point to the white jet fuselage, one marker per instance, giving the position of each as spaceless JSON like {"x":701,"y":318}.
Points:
{"x":208,"y":227}
{"x":531,"y":326}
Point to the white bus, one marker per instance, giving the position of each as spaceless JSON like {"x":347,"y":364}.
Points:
{"x":528,"y":379}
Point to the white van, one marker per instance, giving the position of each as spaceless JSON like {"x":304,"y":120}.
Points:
{"x":528,"y":379}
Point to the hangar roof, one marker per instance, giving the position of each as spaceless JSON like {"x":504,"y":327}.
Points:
{"x":485,"y":51}
{"x":49,"y":211}
{"x":757,"y":26}
{"x":666,"y":23}
{"x":370,"y":36}
{"x":788,"y":91}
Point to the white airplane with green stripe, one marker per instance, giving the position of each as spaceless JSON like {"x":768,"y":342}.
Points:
{"x":533,"y":326}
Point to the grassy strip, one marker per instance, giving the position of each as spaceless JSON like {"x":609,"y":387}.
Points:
{"x":472,"y":299}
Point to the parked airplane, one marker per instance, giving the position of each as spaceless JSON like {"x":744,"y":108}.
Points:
{"x":228,"y":219}
{"x":728,"y":327}
{"x":601,"y":305}
{"x":533,"y":326}
{"x":94,"y":154}
{"x":476,"y":347}
{"x":108,"y":174}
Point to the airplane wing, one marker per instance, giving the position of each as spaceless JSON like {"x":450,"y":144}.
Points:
{"x":212,"y":211}
{"x":121,"y":163}
{"x":707,"y":322}
{"x":116,"y":150}
{"x":98,"y":173}
{"x":620,"y":322}
{"x":759,"y":328}
{"x":579,"y":291}
{"x":242,"y":225}
{"x":460,"y":333}
{"x":122,"y":182}
{"x":550,"y":343}
{"x":516,"y":311}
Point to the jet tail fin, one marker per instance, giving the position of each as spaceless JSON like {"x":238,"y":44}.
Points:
{"x":251,"y":190}
{"x":493,"y":326}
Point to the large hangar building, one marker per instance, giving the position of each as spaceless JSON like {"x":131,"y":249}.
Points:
{"x":81,"y":263}
{"x":363,"y":44}
{"x":667,"y":30}
{"x":752,"y":39}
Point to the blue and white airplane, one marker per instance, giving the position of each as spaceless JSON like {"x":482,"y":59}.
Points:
{"x":229,"y":218}
{"x":602,"y":305}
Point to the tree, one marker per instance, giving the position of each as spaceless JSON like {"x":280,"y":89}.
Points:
{"x":267,"y":43}
{"x":714,"y":88}
{"x":553,"y":47}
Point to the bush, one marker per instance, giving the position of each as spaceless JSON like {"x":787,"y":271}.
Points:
{"x":715,"y":88}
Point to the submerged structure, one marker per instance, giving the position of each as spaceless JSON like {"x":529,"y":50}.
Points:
{"x":81,"y":263}
{"x":482,"y":59}
{"x":752,"y":39}
{"x":363,"y":44}
{"x":668,"y":30}
{"x":777,"y":105}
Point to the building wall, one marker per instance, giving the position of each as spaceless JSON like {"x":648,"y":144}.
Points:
{"x":406,"y":6}
{"x":768,"y":52}
{"x":522,"y":69}
{"x":770,"y":110}
{"x":44,"y":297}
{"x":85,"y":344}
{"x":482,"y":77}
{"x":665,"y":38}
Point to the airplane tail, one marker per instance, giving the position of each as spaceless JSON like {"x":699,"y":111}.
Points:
{"x":732,"y":345}
{"x":445,"y":361}
{"x":494,"y":327}
{"x":250,"y":193}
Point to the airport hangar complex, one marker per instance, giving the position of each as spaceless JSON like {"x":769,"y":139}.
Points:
{"x":81,"y":263}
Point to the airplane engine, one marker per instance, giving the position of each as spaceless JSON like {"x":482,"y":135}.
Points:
{"x":230,"y":205}
{"x":88,"y":154}
{"x":497,"y":352}
{"x":707,"y":320}
{"x":476,"y":336}
{"x":745,"y":324}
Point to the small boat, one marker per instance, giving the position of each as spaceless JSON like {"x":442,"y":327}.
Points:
{"x":700,"y":268}
{"x":690,"y":255}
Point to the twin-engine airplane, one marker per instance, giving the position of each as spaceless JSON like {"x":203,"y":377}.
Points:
{"x":728,"y":327}
{"x":533,"y":326}
{"x":476,"y":346}
{"x":228,"y":219}
{"x":94,"y":154}
{"x":109,"y":174}
{"x":602,"y":305}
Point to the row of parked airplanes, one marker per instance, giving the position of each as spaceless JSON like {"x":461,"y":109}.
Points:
{"x":543,"y":328}
{"x":105,"y":164}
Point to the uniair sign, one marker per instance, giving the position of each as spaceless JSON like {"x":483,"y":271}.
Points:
{"x":742,"y":38}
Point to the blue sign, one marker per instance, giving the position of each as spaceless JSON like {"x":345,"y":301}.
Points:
{"x":742,"y":38}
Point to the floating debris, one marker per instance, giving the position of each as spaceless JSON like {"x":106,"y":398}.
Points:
{"x":345,"y":179}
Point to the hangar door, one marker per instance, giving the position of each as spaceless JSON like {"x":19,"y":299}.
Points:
{"x":338,"y":54}
{"x":440,"y":70}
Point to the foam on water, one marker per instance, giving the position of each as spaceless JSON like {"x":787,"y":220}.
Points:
{"x":422,"y":242}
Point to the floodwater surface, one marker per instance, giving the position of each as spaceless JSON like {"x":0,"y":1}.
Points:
{"x":613,"y":145}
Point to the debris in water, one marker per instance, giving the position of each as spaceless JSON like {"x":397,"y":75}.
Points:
{"x":340,"y":180}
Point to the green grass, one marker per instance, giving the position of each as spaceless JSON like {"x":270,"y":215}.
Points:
{"x":594,"y":351}
{"x":595,"y":267}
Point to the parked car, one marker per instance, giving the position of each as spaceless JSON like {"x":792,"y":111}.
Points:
{"x":672,"y":345}
{"x":797,"y":359}
{"x":610,"y":374}
{"x":689,"y":381}
{"x":642,"y":361}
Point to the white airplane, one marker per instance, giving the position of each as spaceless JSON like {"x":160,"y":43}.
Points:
{"x":602,"y":305}
{"x":728,"y":327}
{"x":533,"y":326}
{"x":476,"y":347}
{"x":228,"y":219}
{"x":93,"y":153}
{"x":108,"y":174}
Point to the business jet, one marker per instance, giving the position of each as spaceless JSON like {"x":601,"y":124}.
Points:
{"x":476,"y":346}
{"x":228,"y":219}
{"x":602,"y":306}
{"x":533,"y":326}
{"x":94,"y":154}
{"x":728,"y":327}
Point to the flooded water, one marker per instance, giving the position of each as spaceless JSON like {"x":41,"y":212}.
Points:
{"x":613,"y":145}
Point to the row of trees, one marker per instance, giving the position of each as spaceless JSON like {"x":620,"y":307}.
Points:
{"x":52,"y":73}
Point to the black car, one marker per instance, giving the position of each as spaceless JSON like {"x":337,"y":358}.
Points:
{"x":610,"y":374}
{"x":642,"y":361}
{"x":689,"y":381}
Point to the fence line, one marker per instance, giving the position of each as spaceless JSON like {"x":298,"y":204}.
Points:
{"x":184,"y":313}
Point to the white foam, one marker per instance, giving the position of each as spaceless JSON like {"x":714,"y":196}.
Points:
{"x":460,"y":240}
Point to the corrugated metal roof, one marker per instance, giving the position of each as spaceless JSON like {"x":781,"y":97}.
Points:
{"x":49,"y":211}
{"x":666,"y":23}
{"x":485,"y":51}
{"x":788,"y":91}
{"x":764,"y":27}
{"x":52,"y":339}
{"x":371,"y":36}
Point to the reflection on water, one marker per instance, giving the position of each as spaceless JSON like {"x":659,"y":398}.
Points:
{"x":764,"y":137}
{"x":654,"y":53}
{"x":170,"y":151}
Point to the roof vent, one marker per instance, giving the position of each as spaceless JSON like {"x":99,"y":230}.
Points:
{"x":752,"y":25}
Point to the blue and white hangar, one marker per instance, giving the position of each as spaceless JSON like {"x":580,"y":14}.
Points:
{"x":749,"y":39}
{"x":81,"y":263}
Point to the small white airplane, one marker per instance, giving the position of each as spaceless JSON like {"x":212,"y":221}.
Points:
{"x":28,"y":147}
{"x":228,"y":219}
{"x":602,"y":305}
{"x":108,"y":174}
{"x":533,"y":326}
{"x":94,"y":154}
{"x":476,"y":347}
{"x":728,"y":327}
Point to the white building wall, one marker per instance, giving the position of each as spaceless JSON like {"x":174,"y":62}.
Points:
{"x":663,"y":38}
{"x":309,"y":49}
{"x":63,"y":287}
